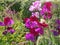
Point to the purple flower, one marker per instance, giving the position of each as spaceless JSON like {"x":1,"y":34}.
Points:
{"x":55,"y":33}
{"x":58,"y":21}
{"x":29,"y":36}
{"x":35,"y":6}
{"x":10,"y":30}
{"x":58,"y":27}
{"x":27,"y":23}
{"x":40,"y":30}
{"x":46,"y":11}
{"x":2,"y":24}
{"x":31,"y":24}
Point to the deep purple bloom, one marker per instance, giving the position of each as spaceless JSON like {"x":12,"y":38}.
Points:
{"x":30,"y":36}
{"x":55,"y":33}
{"x":10,"y":30}
{"x":2,"y":24}
{"x":5,"y":32}
{"x":31,"y":24}
{"x":58,"y":21}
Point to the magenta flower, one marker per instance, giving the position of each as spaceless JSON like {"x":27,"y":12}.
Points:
{"x":30,"y":36}
{"x":32,"y":31}
{"x":48,"y":5}
{"x":8,"y":21}
{"x":35,"y":27}
{"x":9,"y":30}
{"x":31,"y":24}
{"x":2,"y":24}
{"x":40,"y":30}
{"x":35,"y":6}
{"x":46,"y":11}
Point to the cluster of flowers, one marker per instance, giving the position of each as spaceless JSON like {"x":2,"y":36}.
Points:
{"x":44,"y":11}
{"x":8,"y":21}
{"x":56,"y":32}
{"x":36,"y":26}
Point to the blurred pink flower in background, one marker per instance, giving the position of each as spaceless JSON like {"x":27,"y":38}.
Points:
{"x":35,"y":6}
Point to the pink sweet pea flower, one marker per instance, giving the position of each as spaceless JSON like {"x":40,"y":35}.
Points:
{"x":8,"y":21}
{"x":36,"y":14}
{"x":36,"y":6}
{"x":9,"y":30}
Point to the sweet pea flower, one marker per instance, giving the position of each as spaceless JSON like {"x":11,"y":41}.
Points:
{"x":34,"y":32}
{"x":36,"y":14}
{"x":40,"y":30}
{"x":46,"y":10}
{"x":32,"y":8}
{"x":55,"y":33}
{"x":35,"y":6}
{"x":30,"y":36}
{"x":2,"y":24}
{"x":57,"y":21}
{"x":31,"y":24}
{"x":8,"y":21}
{"x":48,"y":5}
{"x":9,"y":30}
